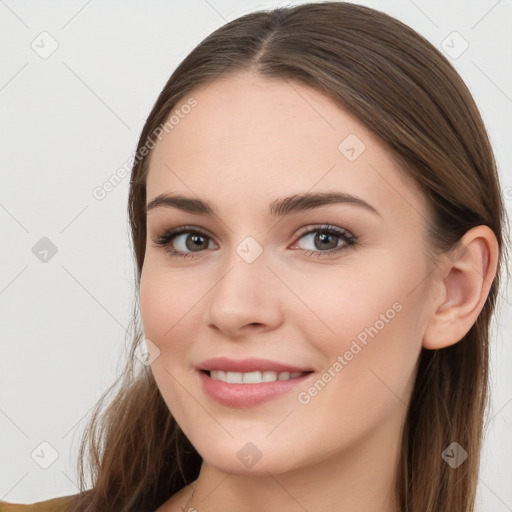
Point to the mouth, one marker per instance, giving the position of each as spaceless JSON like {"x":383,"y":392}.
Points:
{"x":250,"y":382}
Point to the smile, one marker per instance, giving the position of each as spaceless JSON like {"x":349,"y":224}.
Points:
{"x":248,"y":389}
{"x":256,"y":377}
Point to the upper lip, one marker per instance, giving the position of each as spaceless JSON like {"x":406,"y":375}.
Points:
{"x":252,"y":364}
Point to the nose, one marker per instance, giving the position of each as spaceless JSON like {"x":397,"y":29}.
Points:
{"x":245,"y":299}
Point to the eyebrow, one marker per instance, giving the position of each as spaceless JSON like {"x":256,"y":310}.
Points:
{"x":278,"y":208}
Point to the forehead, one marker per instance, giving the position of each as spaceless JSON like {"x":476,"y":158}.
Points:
{"x":253,"y":138}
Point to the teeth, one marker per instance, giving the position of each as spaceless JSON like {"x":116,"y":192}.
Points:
{"x":253,"y":377}
{"x":269,"y":376}
{"x":234,"y":377}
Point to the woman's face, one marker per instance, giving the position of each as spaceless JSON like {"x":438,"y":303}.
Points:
{"x":336,"y":290}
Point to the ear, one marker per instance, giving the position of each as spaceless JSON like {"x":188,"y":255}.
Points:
{"x":464,"y":280}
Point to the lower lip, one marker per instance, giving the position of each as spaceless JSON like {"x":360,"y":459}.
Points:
{"x":247,"y":395}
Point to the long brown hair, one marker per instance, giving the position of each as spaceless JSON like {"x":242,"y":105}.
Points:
{"x":405,"y":91}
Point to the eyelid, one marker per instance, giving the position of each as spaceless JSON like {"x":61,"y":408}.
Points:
{"x":302,"y":231}
{"x":174,"y":232}
{"x":324,"y":227}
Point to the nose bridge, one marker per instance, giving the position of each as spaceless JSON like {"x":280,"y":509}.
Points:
{"x":246,"y":272}
{"x":244,"y":294}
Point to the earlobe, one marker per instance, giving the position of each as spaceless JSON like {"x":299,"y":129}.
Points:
{"x":465,"y":280}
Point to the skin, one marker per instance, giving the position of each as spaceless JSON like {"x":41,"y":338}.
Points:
{"x":248,"y":142}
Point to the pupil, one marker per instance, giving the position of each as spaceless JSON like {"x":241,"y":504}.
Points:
{"x":325,"y":237}
{"x":196,"y":242}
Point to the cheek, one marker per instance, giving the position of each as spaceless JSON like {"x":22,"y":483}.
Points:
{"x":166,"y":300}
{"x":172,"y":303}
{"x":344,"y":305}
{"x":166,"y":307}
{"x":154,"y":303}
{"x":371,"y":318}
{"x":368,"y":373}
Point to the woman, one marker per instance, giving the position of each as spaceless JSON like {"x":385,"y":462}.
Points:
{"x":282,"y":373}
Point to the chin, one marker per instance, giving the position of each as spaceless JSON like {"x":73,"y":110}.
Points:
{"x":249,"y":458}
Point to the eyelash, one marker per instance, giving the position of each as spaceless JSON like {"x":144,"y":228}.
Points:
{"x":348,"y":238}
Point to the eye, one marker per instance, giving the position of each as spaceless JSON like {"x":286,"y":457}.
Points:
{"x":185,"y":238}
{"x":325,"y":240}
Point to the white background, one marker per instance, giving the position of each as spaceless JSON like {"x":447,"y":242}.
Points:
{"x":68,"y":122}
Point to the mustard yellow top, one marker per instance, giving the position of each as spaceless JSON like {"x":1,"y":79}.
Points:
{"x":61,"y":504}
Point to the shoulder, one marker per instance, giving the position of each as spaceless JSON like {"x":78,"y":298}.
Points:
{"x":54,"y":505}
